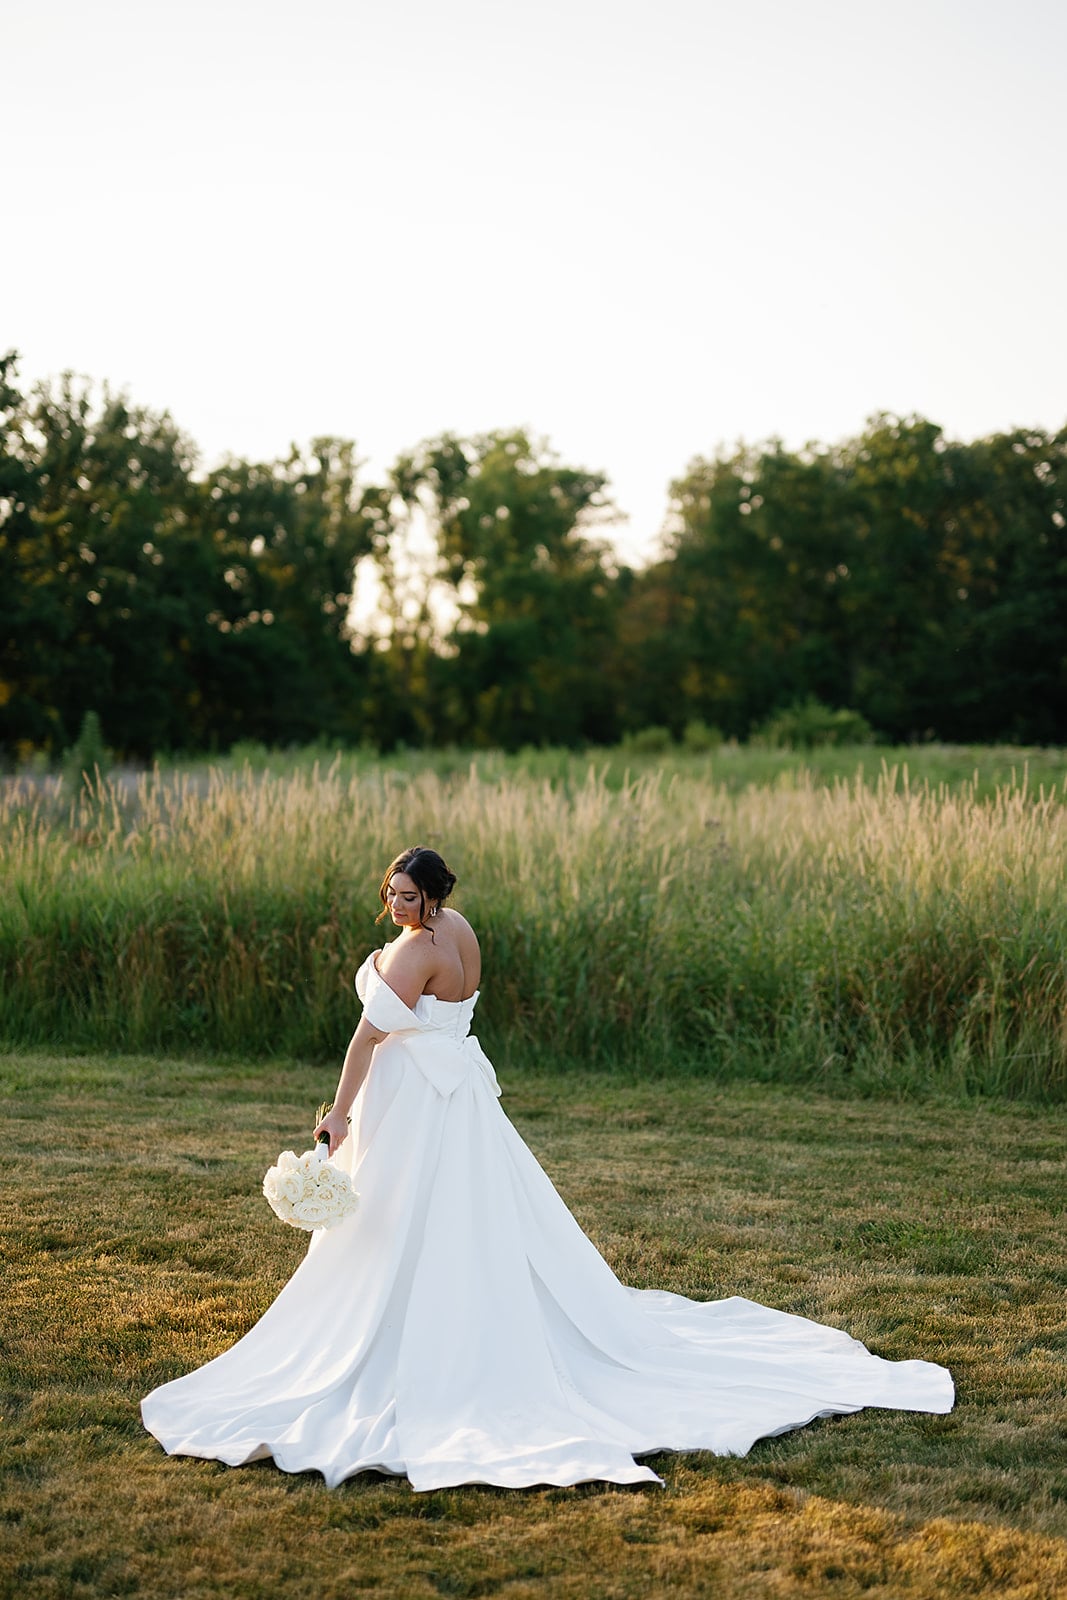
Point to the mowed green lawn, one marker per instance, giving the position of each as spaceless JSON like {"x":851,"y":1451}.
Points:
{"x":136,"y":1245}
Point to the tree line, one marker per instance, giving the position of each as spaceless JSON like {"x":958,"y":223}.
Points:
{"x":917,"y":580}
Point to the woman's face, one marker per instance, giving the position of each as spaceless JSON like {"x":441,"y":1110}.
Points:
{"x":403,"y":900}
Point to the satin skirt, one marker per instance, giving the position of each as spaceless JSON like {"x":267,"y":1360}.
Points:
{"x":460,"y":1328}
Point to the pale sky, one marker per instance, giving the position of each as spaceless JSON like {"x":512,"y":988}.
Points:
{"x":641,"y":228}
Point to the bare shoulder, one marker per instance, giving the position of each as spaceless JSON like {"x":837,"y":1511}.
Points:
{"x":443,"y":960}
{"x":459,"y":927}
{"x":407,"y":964}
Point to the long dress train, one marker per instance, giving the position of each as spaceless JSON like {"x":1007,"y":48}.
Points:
{"x":460,"y":1328}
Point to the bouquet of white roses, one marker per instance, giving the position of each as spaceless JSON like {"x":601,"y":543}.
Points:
{"x":308,"y":1191}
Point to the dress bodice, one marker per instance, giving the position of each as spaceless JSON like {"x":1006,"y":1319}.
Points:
{"x":453,"y":1017}
{"x":436,"y":1033}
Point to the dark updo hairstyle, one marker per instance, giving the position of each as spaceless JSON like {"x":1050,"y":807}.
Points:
{"x":428,"y":873}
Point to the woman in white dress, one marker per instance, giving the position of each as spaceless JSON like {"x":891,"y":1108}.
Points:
{"x":459,"y":1327}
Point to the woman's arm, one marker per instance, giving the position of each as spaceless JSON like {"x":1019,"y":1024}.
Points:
{"x":411,"y":966}
{"x":353,"y":1073}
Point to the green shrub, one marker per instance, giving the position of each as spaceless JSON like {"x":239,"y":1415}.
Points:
{"x":250,"y":753}
{"x":648,"y":742}
{"x":698,"y":737}
{"x":808,"y":724}
{"x":88,"y":756}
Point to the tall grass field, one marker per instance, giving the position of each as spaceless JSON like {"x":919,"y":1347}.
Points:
{"x":858,"y":928}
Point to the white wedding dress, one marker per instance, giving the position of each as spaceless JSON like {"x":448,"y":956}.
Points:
{"x":460,"y":1328}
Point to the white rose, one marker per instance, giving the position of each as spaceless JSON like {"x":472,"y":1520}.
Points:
{"x":290,"y":1187}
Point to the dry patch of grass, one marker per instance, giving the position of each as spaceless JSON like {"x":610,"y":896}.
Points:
{"x":136,"y":1245}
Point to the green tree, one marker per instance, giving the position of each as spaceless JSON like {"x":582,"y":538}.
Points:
{"x":534,"y":590}
{"x":92,"y":616}
{"x":276,"y":662}
{"x":902,"y":496}
{"x":1012,"y":587}
{"x":187,"y":611}
{"x":28,"y":620}
{"x":956,"y":596}
{"x":744,"y":587}
{"x":915,"y":580}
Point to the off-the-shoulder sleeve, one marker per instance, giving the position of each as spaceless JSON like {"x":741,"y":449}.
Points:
{"x":362,"y":977}
{"x":444,"y":1060}
{"x":383,"y":1007}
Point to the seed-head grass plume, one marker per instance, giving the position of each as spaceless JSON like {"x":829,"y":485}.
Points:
{"x":872,"y":931}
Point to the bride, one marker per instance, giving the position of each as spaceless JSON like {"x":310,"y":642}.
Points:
{"x":459,"y":1327}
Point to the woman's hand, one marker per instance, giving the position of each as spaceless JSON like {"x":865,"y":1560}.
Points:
{"x":335,"y":1127}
